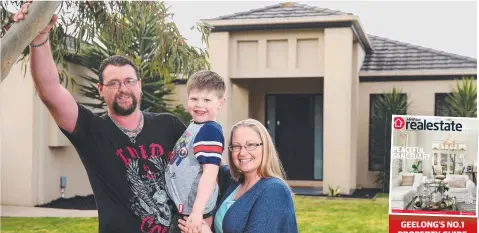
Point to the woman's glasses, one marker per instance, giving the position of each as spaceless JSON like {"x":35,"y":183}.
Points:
{"x":249,"y":146}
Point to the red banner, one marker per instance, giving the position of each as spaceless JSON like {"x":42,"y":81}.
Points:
{"x":431,"y":224}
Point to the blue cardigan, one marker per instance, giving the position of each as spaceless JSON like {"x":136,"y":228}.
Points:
{"x":266,"y":208}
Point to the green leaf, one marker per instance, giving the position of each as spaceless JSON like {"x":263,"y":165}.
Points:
{"x":462,"y":102}
{"x":143,"y":33}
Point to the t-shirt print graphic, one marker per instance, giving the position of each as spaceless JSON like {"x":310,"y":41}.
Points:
{"x":180,"y":150}
{"x":149,"y":196}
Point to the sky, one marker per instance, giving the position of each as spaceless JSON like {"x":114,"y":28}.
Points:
{"x":442,"y":25}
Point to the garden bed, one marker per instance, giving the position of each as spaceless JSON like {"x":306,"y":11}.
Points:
{"x":362,"y":194}
{"x":76,"y":202}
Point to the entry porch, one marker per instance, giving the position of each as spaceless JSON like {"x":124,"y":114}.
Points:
{"x":293,"y":111}
{"x":303,"y":85}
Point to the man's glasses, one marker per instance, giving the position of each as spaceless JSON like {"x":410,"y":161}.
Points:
{"x":116,"y":83}
{"x":249,"y":146}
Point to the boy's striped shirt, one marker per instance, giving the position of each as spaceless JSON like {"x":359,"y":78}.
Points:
{"x":201,"y":143}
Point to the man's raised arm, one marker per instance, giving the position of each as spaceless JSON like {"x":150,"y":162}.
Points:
{"x":58,"y":99}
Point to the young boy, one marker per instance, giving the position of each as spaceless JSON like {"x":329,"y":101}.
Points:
{"x":193,"y":168}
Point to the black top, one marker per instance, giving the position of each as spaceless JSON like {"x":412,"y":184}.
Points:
{"x":128,"y":179}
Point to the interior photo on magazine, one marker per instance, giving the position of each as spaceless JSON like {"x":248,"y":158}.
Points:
{"x":434,"y":166}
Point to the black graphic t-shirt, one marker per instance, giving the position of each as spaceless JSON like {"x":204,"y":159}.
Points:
{"x":128,"y":178}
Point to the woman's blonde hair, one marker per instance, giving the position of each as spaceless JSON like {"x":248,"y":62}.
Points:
{"x":270,"y":165}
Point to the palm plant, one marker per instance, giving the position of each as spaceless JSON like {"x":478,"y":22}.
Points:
{"x":462,"y":102}
{"x":81,"y":19}
{"x":386,"y":105}
{"x":147,"y":37}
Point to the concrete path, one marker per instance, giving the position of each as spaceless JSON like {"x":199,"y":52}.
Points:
{"x":21,"y":211}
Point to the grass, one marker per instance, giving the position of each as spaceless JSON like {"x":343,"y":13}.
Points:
{"x":318,"y":215}
{"x":321,"y":215}
{"x":49,"y":225}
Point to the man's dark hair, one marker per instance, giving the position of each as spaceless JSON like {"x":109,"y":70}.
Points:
{"x":116,"y":60}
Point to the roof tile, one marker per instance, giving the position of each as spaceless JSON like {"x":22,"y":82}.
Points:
{"x":389,"y":55}
{"x":283,"y":10}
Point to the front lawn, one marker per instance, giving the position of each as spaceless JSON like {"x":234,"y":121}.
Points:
{"x":318,"y":215}
{"x":49,"y":225}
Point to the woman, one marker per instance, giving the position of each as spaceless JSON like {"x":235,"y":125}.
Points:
{"x":257,"y":198}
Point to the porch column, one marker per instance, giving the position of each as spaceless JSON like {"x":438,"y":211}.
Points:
{"x":240,"y":102}
{"x":339,"y":109}
{"x":219,"y":54}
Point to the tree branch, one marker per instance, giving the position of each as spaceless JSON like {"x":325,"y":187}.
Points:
{"x":20,"y":35}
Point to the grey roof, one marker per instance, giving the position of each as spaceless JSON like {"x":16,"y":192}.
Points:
{"x":391,"y":55}
{"x":387,"y":55}
{"x":282,"y":10}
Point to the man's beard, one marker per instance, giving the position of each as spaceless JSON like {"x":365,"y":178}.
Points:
{"x":119,"y":110}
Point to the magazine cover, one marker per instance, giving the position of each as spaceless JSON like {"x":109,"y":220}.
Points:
{"x":433,"y":170}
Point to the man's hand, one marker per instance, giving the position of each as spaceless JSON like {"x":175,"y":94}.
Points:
{"x":20,"y":15}
{"x":194,"y":222}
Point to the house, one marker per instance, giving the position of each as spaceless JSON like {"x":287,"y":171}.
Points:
{"x":309,"y":74}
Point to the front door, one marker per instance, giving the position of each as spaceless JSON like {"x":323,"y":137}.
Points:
{"x":291,"y":122}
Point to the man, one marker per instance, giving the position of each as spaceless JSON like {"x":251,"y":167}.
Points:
{"x":124,"y":152}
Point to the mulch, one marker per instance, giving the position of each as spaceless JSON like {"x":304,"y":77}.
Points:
{"x":358,"y":194}
{"x":76,"y":202}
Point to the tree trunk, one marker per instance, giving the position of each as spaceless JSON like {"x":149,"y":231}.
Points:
{"x":21,"y":34}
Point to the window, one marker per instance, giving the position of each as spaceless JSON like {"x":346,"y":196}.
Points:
{"x":448,"y":157}
{"x":440,"y":105}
